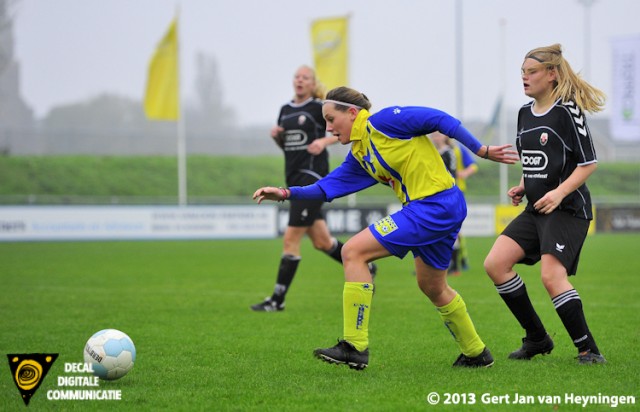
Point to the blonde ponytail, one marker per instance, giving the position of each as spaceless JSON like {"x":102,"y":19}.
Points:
{"x":569,"y":86}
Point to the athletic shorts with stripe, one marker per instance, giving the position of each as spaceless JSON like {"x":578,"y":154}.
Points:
{"x":427,"y":227}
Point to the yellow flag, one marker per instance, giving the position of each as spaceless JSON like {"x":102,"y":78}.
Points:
{"x":161,"y":101}
{"x":330,"y":40}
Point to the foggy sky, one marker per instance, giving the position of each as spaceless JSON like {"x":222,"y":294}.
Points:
{"x":401,"y":52}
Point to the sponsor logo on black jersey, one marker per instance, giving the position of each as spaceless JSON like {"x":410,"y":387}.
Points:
{"x":534,"y":160}
{"x":295,"y":140}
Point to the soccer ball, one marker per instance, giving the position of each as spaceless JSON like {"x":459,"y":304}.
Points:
{"x":111,"y":354}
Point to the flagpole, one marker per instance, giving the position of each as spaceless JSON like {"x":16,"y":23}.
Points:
{"x":503,"y":114}
{"x":181,"y":137}
{"x":162,"y":96}
{"x":459,"y":57}
{"x":182,"y":162}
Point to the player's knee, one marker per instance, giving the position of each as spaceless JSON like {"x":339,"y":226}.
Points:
{"x":490,"y":264}
{"x":324,"y":245}
{"x":290,"y":244}
{"x":351,"y":253}
{"x":346,"y":252}
{"x":433,"y":290}
{"x":496,"y":266}
{"x":553,"y":281}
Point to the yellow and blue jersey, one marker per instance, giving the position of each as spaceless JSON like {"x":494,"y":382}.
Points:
{"x":391,"y":147}
{"x":464,"y":160}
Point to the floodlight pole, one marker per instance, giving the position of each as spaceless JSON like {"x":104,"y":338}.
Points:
{"x":182,"y":162}
{"x":181,"y":140}
{"x":504,"y":172}
{"x":587,"y":37}
{"x":459,"y":56}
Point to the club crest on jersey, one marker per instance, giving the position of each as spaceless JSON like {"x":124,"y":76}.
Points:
{"x":544,"y":138}
{"x":302,"y":119}
{"x":385,"y":225}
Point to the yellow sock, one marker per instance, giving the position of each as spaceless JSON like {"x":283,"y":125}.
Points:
{"x":356,"y":306}
{"x":457,"y":320}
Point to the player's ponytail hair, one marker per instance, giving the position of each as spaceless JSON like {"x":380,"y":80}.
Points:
{"x":569,"y":85}
{"x":320,"y":92}
{"x":348,"y":96}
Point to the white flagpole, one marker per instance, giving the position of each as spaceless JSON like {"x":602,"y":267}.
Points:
{"x":459,"y":62}
{"x":503,"y":114}
{"x":181,"y":138}
{"x":182,"y":162}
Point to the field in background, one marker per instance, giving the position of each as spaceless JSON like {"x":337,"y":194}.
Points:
{"x":186,"y":307}
{"x":211,"y":179}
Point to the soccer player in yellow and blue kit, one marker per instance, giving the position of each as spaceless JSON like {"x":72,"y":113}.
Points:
{"x":391,"y":147}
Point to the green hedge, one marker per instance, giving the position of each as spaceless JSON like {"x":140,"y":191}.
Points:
{"x":212,"y":176}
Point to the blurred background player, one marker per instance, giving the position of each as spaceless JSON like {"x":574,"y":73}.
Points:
{"x":558,"y":156}
{"x":301,"y":133}
{"x":446,"y":149}
{"x":466,"y":166}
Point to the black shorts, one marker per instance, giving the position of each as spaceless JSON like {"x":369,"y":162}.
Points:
{"x":559,"y":234}
{"x":302,"y":213}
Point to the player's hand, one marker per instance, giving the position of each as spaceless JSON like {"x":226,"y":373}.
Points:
{"x":501,"y":154}
{"x":516,"y":194}
{"x":277,"y":134}
{"x":316,"y":147}
{"x":270,"y":193}
{"x":275,"y":131}
{"x":549,"y":202}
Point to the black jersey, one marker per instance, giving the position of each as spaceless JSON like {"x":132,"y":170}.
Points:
{"x":303,"y":123}
{"x":450,"y":160}
{"x":551,"y":146}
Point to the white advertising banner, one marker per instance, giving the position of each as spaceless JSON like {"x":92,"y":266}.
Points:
{"x":44,"y":223}
{"x":480,"y":221}
{"x":625,"y":98}
{"x":29,"y":223}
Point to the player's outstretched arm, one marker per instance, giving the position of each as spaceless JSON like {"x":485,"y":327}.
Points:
{"x":277,"y":194}
{"x":501,"y":154}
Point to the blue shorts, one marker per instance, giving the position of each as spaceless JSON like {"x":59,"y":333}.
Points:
{"x":427,"y":227}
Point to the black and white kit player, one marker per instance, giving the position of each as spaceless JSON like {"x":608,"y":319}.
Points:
{"x":302,"y":124}
{"x":551,"y":146}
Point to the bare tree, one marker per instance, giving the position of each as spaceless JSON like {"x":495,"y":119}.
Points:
{"x":210,"y":113}
{"x":7,"y":13}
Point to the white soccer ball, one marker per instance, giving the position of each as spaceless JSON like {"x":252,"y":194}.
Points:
{"x":111,"y":354}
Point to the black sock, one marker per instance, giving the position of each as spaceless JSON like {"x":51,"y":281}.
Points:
{"x":569,"y":307}
{"x":336,"y":250}
{"x":514,"y":293}
{"x":286,"y":272}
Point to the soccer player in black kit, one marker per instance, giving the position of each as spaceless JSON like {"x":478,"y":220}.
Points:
{"x":557,"y":155}
{"x":301,"y":134}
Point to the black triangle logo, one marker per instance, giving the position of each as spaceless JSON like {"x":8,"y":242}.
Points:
{"x":28,"y":371}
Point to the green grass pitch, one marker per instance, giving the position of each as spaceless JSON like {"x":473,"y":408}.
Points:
{"x":186,"y":304}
